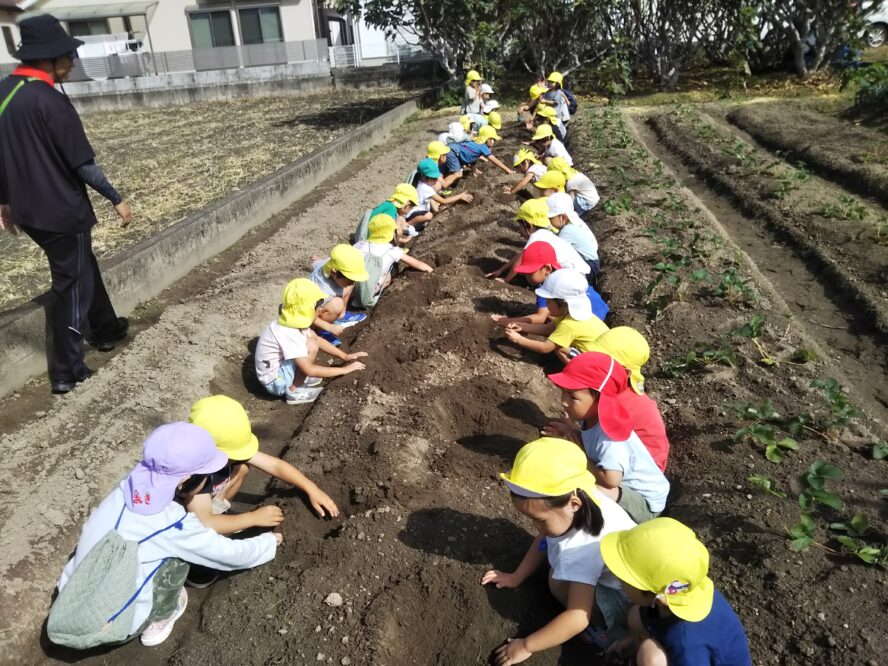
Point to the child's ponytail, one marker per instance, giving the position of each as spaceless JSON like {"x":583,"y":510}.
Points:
{"x":587,"y":518}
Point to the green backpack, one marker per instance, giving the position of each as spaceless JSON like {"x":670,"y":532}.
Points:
{"x":363,"y":295}
{"x":96,"y":605}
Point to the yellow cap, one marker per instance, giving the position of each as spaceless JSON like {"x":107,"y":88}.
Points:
{"x":472,"y":75}
{"x":227,"y":421}
{"x":664,"y":557}
{"x":546,"y":111}
{"x":348,"y":261}
{"x":381,"y":229}
{"x":495,"y":120}
{"x":435,"y":149}
{"x":628,"y":348}
{"x":525,"y":155}
{"x":487,"y":132}
{"x":543,"y":132}
{"x":556,"y":77}
{"x":406,"y":192}
{"x":551,"y":180}
{"x":550,"y":467}
{"x":536,"y":91}
{"x":560,"y":164}
{"x":465,"y":122}
{"x":535,"y":212}
{"x":299,"y":302}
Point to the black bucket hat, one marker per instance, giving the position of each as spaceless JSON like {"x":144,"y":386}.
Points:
{"x":44,"y":38}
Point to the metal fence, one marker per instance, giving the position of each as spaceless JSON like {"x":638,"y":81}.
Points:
{"x":361,"y":56}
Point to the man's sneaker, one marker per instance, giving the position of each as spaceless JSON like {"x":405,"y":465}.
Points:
{"x":303,"y":396}
{"x":329,"y":337}
{"x":200,"y":577}
{"x":350,"y":319}
{"x":108,"y":340}
{"x":311,"y":382}
{"x":159,"y":630}
{"x":60,"y":388}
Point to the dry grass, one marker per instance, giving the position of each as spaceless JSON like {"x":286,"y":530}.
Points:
{"x":171,"y":162}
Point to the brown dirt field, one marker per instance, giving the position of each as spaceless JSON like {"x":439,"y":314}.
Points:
{"x":852,"y":155}
{"x":411,"y":447}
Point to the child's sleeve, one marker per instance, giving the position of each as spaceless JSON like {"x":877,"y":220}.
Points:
{"x":615,"y":456}
{"x":583,"y":564}
{"x":197,"y":544}
{"x":563,"y":335}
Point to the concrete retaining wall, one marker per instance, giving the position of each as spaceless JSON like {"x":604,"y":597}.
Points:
{"x":141,"y":272}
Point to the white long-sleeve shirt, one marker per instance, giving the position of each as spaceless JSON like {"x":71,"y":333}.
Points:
{"x":194,"y":543}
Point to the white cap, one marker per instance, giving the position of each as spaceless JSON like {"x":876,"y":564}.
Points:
{"x":560,"y":203}
{"x":568,"y":285}
{"x":486,"y":89}
{"x":489,"y":106}
{"x":457,"y":132}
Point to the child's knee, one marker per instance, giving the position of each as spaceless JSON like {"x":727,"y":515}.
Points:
{"x":650,"y":654}
{"x":332,"y":309}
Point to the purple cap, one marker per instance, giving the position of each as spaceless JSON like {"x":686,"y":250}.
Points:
{"x":171,"y":453}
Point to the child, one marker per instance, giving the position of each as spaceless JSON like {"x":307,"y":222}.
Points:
{"x":555,"y":96}
{"x":148,"y":507}
{"x":572,"y":229}
{"x":468,"y":153}
{"x":336,"y":276}
{"x":547,"y":114}
{"x":527,"y":163}
{"x":472,"y":98}
{"x":438,"y":151}
{"x":538,"y":262}
{"x":287,"y":349}
{"x":536,"y":91}
{"x":578,"y":186}
{"x":533,"y":224}
{"x":550,"y":182}
{"x":679,"y":618}
{"x":548,"y":146}
{"x":398,"y":207}
{"x":455,"y":133}
{"x":573,"y":327}
{"x":550,"y":485}
{"x":380,"y":257}
{"x":623,"y":467}
{"x":629,"y":348}
{"x":430,"y":201}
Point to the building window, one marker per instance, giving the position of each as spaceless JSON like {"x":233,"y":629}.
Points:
{"x":260,"y":25}
{"x":89,"y":28}
{"x":209,"y":29}
{"x":7,"y":37}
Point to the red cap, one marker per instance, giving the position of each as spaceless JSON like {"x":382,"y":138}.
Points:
{"x":535,"y":256}
{"x":601,"y":373}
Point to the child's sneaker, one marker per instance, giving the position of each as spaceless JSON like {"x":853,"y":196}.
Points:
{"x":311,"y":382}
{"x":329,"y":337}
{"x":159,"y":630}
{"x":200,"y":577}
{"x":350,"y":319}
{"x":303,"y":396}
{"x":446,"y":192}
{"x":411,"y":231}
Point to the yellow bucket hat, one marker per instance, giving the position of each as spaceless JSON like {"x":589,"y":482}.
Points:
{"x":405,"y":192}
{"x":348,"y":261}
{"x":495,"y":120}
{"x":551,"y":179}
{"x":556,"y":77}
{"x":543,"y":132}
{"x":472,"y":75}
{"x":550,"y":467}
{"x":487,"y":132}
{"x":435,"y":149}
{"x":299,"y":302}
{"x":546,"y":111}
{"x":465,"y":122}
{"x":227,"y":421}
{"x":536,"y":91}
{"x":535,"y":212}
{"x":627,"y":347}
{"x":664,"y":557}
{"x":560,"y":164}
{"x":381,"y":229}
{"x":525,"y":155}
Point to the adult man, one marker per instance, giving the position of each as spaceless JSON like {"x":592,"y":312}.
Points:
{"x":46,"y":162}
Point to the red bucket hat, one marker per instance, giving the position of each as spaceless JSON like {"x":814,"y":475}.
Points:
{"x":599,"y":372}
{"x":536,"y":255}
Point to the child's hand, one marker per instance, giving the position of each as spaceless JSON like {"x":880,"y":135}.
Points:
{"x":428,"y":269}
{"x":336,"y":329}
{"x":355,"y":356}
{"x":500,"y":320}
{"x":351,"y":367}
{"x":513,"y":652}
{"x":466,"y":197}
{"x":500,"y":578}
{"x":268,"y":516}
{"x":513,"y":333}
{"x":507,"y":189}
{"x":511,"y":172}
{"x":562,"y":428}
{"x":323,"y":505}
{"x":496,"y":273}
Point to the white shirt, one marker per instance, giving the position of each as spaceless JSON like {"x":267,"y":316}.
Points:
{"x":537,"y":170}
{"x":575,"y":556}
{"x":277,"y":344}
{"x":557,"y":149}
{"x":327,"y":285}
{"x":194,"y":543}
{"x":565,"y":254}
{"x":584,"y":187}
{"x":424,"y":192}
{"x":389,"y":254}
